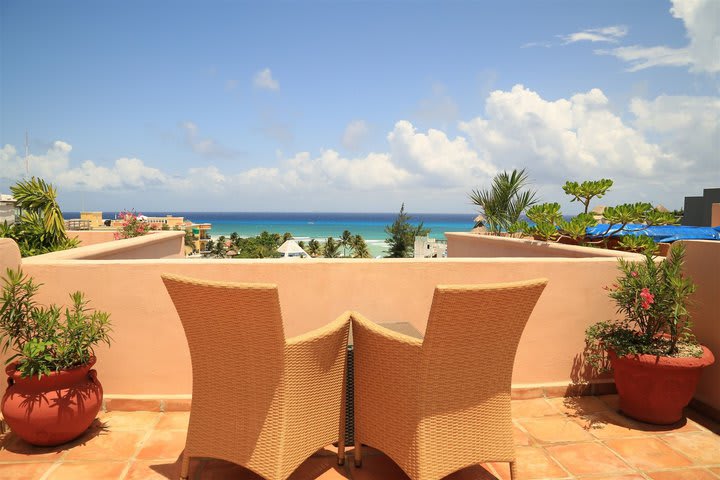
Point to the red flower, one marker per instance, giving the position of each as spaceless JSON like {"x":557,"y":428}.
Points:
{"x":633,"y":274}
{"x":647,"y":298}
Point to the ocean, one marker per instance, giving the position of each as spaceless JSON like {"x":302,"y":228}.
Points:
{"x":318,"y":225}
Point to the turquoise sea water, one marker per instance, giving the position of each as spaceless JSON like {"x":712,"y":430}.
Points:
{"x":318,"y":225}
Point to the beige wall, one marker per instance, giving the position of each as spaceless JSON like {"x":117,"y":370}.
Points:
{"x":702,"y":264}
{"x":95,"y":218}
{"x":150,"y":356}
{"x":151,"y":246}
{"x":92,"y":237}
{"x":9,"y":255}
{"x":472,"y":245}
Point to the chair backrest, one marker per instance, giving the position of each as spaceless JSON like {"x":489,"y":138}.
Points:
{"x":236,"y":340}
{"x":471,"y":339}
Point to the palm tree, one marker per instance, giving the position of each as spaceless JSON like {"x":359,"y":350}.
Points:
{"x":346,"y":241}
{"x":286,"y":236}
{"x":313,"y":247}
{"x":220,"y":248}
{"x":332,"y":248}
{"x":209,"y":247}
{"x":41,"y":227}
{"x":505,"y":200}
{"x":359,"y":247}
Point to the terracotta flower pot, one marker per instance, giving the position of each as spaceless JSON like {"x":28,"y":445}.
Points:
{"x":54,"y":409}
{"x":656,"y":389}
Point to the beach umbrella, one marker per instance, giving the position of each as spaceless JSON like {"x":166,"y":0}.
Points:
{"x":291,"y":249}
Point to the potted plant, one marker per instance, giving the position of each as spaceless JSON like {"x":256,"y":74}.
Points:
{"x":655,"y":358}
{"x":53,"y":395}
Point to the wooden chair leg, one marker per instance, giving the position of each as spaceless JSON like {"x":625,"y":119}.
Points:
{"x":513,"y":471}
{"x":358,"y":452}
{"x":184,"y":467}
{"x":341,"y":451}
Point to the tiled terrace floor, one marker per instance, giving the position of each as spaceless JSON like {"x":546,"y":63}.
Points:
{"x":556,"y":438}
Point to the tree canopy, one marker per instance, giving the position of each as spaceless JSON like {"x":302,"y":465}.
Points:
{"x":401,"y":240}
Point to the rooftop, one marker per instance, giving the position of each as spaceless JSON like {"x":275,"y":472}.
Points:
{"x":556,"y":438}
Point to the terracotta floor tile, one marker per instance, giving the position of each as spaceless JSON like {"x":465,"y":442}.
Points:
{"x":118,"y":445}
{"x":704,"y":421}
{"x":633,"y":476}
{"x":701,"y":447}
{"x":647,"y":453}
{"x":612,"y":401}
{"x":611,"y":424}
{"x":532,"y":463}
{"x":588,"y":458}
{"x":160,"y":470}
{"x":535,"y":407}
{"x":94,"y":470}
{"x":23,"y":471}
{"x":553,"y":429}
{"x":687,"y":474}
{"x":321,"y":468}
{"x":520,"y":437}
{"x":173,"y":421}
{"x":576,"y":406}
{"x":375,"y":467}
{"x":12,"y":448}
{"x":163,"y":444}
{"x":213,"y":469}
{"x":117,"y":420}
{"x":475,"y":472}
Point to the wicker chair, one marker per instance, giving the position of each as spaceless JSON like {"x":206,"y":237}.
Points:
{"x":442,"y":403}
{"x":259,"y":400}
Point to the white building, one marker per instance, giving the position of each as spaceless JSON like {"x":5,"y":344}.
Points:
{"x":426,"y":247}
{"x":7,"y":209}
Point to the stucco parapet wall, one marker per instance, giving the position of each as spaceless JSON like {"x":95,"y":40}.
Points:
{"x":154,"y":246}
{"x":464,"y":244}
{"x":9,"y":255}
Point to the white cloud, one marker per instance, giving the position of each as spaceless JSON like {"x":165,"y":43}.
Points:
{"x":125,"y":174}
{"x":439,"y":160}
{"x":687,"y":125}
{"x":561,"y":139}
{"x":55,"y":160}
{"x":264,"y":80}
{"x":668,"y":145}
{"x":702,"y":54}
{"x":204,"y":146}
{"x":355,"y":135}
{"x":329,"y":169}
{"x":641,"y":58}
{"x":610,"y":34}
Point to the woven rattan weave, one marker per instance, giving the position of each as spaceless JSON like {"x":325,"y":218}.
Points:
{"x":258,"y":400}
{"x":443,"y":403}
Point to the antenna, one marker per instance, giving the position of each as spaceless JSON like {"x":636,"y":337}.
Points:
{"x":27,"y":159}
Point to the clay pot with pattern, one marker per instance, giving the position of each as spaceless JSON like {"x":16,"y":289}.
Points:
{"x":54,"y":408}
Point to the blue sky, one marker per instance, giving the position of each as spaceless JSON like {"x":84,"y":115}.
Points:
{"x":357,"y":106}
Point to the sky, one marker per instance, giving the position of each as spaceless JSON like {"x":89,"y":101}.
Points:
{"x":357,"y":106}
